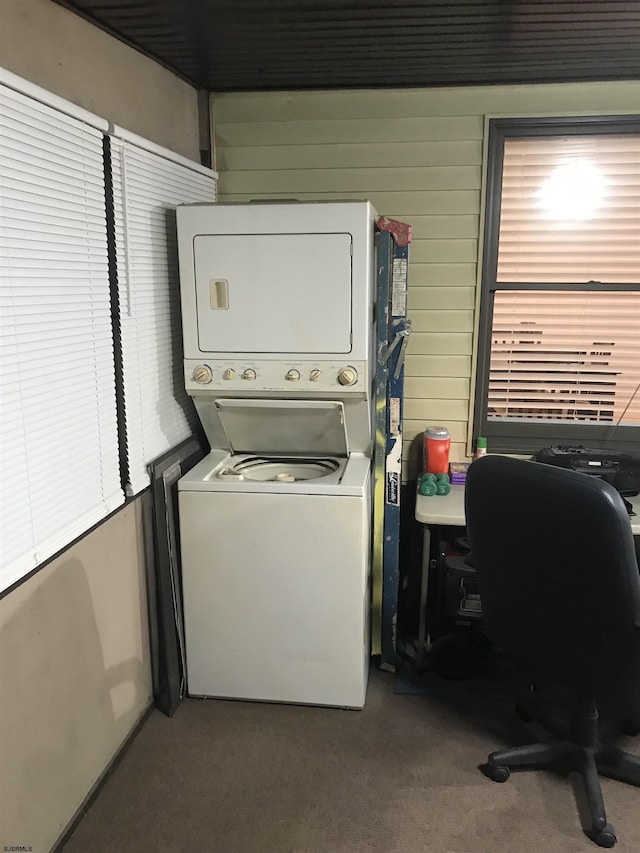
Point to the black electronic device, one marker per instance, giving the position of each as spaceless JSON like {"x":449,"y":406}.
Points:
{"x":618,"y":467}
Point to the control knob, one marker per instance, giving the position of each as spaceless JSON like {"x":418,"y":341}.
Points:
{"x":229,"y":373}
{"x":202,"y":374}
{"x":249,"y":374}
{"x":348,"y":376}
{"x":293,"y":375}
{"x":315,"y":375}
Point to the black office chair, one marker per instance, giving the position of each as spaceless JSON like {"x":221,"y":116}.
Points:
{"x":560,"y":594}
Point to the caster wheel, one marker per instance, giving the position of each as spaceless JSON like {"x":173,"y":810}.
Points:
{"x":604,"y":837}
{"x":496,"y":772}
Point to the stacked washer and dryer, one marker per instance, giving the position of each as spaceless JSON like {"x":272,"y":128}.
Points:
{"x":275,"y":523}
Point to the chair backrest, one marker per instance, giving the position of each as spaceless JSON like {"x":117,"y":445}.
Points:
{"x":557,"y":572}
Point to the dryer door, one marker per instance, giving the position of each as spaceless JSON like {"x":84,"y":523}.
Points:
{"x":273,"y":293}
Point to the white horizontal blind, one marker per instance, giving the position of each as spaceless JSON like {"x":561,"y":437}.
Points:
{"x":59,"y":468}
{"x":568,"y":356}
{"x":569,"y":214}
{"x":147,"y":188}
{"x":570,"y":209}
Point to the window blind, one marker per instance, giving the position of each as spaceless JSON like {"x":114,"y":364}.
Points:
{"x":570,"y":209}
{"x":569,"y":356}
{"x":59,"y":463}
{"x":569,"y":216}
{"x":148,"y":184}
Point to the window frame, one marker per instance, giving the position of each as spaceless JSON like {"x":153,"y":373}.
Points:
{"x":529,"y":436}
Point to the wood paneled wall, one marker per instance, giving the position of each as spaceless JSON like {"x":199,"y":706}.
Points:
{"x":417,"y":154}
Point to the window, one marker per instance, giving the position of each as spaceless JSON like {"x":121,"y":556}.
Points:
{"x":59,"y":462}
{"x":72,"y":273}
{"x":559,"y":340}
{"x":148,"y":183}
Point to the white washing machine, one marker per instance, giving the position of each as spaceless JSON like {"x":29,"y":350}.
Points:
{"x":275,"y":523}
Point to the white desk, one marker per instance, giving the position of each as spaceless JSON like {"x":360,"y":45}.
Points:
{"x":449,"y":510}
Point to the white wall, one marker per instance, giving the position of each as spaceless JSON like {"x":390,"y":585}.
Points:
{"x":418,"y":155}
{"x":75,"y":671}
{"x":75,"y":677}
{"x":50,"y":46}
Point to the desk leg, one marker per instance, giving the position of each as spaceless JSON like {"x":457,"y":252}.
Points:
{"x":424,"y":585}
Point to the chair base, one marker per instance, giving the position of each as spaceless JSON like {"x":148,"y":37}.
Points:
{"x":589,"y":761}
{"x":584,"y":755}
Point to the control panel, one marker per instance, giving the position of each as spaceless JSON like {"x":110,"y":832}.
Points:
{"x":240,"y":376}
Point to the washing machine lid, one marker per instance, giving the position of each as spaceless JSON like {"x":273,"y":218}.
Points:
{"x":291,"y":427}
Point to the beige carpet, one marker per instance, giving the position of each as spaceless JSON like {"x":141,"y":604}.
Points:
{"x":399,"y":776}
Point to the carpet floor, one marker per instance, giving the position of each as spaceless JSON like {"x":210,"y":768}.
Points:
{"x":402,"y":775}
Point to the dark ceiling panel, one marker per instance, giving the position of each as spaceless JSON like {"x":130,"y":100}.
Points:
{"x":236,"y":45}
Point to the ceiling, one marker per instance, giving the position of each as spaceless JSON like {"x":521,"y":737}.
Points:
{"x":239,"y":45}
